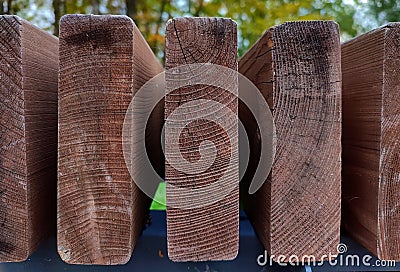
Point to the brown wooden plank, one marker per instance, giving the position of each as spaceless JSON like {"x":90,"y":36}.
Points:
{"x":28,"y":136}
{"x":103,"y":61}
{"x":209,"y":232}
{"x":296,"y":66}
{"x":371,"y":146}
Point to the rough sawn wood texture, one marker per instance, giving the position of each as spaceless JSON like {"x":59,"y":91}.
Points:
{"x":209,"y":232}
{"x":371,"y":145}
{"x":296,"y":66}
{"x":103,"y":61}
{"x":28,"y":136}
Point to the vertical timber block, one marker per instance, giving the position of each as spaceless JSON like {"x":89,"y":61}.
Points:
{"x":104,"y":60}
{"x":28,"y":136}
{"x":296,"y":66}
{"x":371,"y":145}
{"x":208,"y":232}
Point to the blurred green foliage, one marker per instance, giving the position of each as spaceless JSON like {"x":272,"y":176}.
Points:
{"x":253,"y":16}
{"x":384,"y":10}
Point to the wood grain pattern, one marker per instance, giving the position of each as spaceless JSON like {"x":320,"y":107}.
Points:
{"x":210,"y":232}
{"x":296,"y":67}
{"x":104,"y":60}
{"x":28,"y":136}
{"x":371,"y":124}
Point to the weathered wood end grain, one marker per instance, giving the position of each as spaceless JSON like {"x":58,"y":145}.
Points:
{"x":209,"y":232}
{"x":296,"y":66}
{"x":28,"y":136}
{"x":104,"y":60}
{"x":371,"y":145}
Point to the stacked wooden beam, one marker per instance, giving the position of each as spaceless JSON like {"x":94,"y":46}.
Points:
{"x":296,"y":66}
{"x":209,"y":231}
{"x":371,"y":145}
{"x":104,"y":60}
{"x":28,"y":136}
